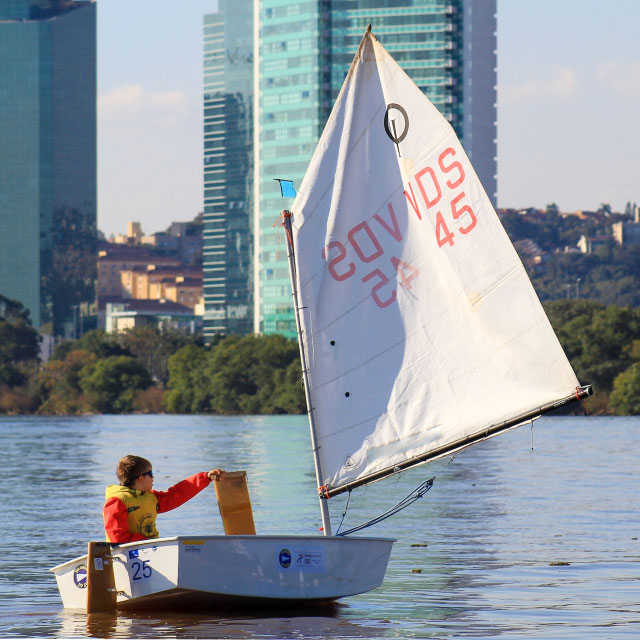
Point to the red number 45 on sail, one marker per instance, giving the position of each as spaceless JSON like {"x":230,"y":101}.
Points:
{"x":443,"y":234}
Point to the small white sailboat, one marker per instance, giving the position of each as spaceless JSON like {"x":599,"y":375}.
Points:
{"x":420,"y":334}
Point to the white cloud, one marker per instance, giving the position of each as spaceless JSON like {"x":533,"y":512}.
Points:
{"x":131,"y":101}
{"x":622,"y":78}
{"x":560,"y":84}
{"x":150,"y":158}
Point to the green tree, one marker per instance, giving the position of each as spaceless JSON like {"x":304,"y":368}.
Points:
{"x":604,"y":353}
{"x":153,"y":348}
{"x":552,"y":210}
{"x":288,"y":393}
{"x":625,"y":397}
{"x":231,"y":372}
{"x":600,"y":341}
{"x":605,"y":209}
{"x":111,"y":385}
{"x":560,"y":312}
{"x":100,"y":343}
{"x":279,"y":376}
{"x":19,"y":342}
{"x":188,"y":387}
{"x":59,"y":384}
{"x":70,"y":269}
{"x":239,"y":375}
{"x":250,"y":375}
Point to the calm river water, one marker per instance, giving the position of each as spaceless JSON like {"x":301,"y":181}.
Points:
{"x":510,"y":542}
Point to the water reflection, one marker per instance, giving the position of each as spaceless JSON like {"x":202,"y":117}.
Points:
{"x":171,"y":625}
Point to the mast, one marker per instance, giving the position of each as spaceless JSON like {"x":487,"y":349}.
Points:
{"x":324,"y":508}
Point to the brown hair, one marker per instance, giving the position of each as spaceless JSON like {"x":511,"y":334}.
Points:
{"x":130,"y":467}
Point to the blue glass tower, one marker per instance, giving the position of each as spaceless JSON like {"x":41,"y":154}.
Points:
{"x":228,"y":169}
{"x":47,"y":143}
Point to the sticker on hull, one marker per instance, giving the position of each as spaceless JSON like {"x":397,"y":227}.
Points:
{"x":302,"y":559}
{"x":80,"y":576}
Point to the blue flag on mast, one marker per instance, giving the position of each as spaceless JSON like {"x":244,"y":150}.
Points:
{"x":286,"y":188}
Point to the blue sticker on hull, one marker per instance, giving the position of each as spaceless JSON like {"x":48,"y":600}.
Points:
{"x":285,"y":558}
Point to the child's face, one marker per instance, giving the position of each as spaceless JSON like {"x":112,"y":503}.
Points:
{"x":144,"y":482}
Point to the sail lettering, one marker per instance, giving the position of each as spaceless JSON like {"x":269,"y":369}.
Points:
{"x":394,"y":231}
{"x":365,"y":243}
{"x":406,"y":272}
{"x":372,"y":238}
{"x":429,"y":202}
{"x":413,"y":202}
{"x":464,"y":210}
{"x":443,"y":235}
{"x":447,"y":168}
{"x":342,"y":254}
{"x":453,"y":176}
{"x":376,"y":292}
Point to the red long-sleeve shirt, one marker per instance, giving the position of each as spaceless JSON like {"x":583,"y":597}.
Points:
{"x":130,"y":515}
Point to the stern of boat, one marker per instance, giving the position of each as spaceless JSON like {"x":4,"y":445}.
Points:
{"x":72,"y":578}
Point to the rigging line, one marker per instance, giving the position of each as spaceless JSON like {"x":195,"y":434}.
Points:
{"x":530,"y":452}
{"x":446,"y":465}
{"x":344,"y":513}
{"x":397,"y":473}
{"x":416,"y":494}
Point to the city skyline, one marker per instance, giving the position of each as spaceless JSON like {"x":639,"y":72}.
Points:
{"x":568,"y":81}
{"x":270,"y":78}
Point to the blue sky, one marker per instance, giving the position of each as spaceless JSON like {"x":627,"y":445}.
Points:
{"x":568,"y":105}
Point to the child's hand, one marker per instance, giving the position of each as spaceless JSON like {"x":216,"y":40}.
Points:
{"x":215,"y":474}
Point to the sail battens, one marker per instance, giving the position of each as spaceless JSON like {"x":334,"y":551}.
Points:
{"x":417,"y":319}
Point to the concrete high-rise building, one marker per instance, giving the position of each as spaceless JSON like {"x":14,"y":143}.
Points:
{"x":303,"y":52}
{"x":47,"y":144}
{"x":228,"y":169}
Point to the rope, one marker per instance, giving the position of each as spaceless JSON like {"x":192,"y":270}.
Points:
{"x":416,"y":494}
{"x":344,"y":513}
{"x":530,"y":452}
{"x":280,"y":222}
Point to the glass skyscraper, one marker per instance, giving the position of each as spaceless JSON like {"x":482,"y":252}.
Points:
{"x":228,"y":169}
{"x":47,"y":142}
{"x":303,"y":52}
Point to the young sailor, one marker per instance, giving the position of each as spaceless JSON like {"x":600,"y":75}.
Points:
{"x":131,"y":507}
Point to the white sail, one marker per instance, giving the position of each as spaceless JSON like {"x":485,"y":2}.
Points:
{"x":418,"y":320}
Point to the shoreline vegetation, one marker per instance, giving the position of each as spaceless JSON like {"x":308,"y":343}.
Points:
{"x":144,"y":370}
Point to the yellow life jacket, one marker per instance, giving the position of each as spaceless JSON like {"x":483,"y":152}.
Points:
{"x":142,"y":509}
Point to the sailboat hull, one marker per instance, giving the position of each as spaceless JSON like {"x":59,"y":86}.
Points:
{"x":221,"y":571}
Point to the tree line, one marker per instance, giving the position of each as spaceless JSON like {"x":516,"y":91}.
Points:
{"x":149,"y":371}
{"x":145,"y":370}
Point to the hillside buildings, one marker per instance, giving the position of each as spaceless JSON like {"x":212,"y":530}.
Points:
{"x":272,"y":73}
{"x":47,"y":147}
{"x":141,"y":282}
{"x":627,"y":232}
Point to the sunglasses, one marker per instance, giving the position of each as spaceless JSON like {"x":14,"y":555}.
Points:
{"x":147,"y":473}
